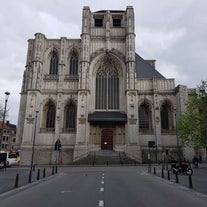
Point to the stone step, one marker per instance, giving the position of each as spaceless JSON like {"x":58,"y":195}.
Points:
{"x":106,"y":157}
{"x":107,"y":153}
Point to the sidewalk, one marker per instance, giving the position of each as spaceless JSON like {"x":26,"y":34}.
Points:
{"x":199,"y":177}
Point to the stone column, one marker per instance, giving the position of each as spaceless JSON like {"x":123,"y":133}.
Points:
{"x":133,"y":146}
{"x":81,"y":147}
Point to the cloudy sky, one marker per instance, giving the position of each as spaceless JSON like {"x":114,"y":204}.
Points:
{"x":174,"y":32}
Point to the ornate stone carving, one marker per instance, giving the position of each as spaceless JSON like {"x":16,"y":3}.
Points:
{"x":82,"y":120}
{"x":132,"y":121}
{"x":30,"y":119}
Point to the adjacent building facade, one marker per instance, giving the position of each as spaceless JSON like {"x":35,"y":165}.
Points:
{"x":96,"y":93}
{"x":8,"y":138}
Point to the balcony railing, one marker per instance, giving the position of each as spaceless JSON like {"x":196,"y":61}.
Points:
{"x":146,"y":131}
{"x":68,"y":130}
{"x":168,"y":131}
{"x":51,"y":77}
{"x":43,"y":130}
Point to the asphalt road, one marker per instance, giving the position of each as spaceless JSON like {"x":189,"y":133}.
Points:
{"x":103,"y":187}
{"x":199,"y":177}
{"x":8,"y":177}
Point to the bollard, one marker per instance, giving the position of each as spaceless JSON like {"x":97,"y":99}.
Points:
{"x":168,"y":175}
{"x":16,"y":185}
{"x":176,"y":178}
{"x":30,"y":177}
{"x":56,"y":169}
{"x":190,"y":181}
{"x":154,"y":171}
{"x":53,"y":170}
{"x":163,"y":173}
{"x":44,"y":172}
{"x":38,"y":174}
{"x":107,"y":163}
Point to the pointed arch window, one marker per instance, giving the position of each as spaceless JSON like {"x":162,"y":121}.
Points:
{"x":73,"y":64}
{"x":165,"y":117}
{"x":54,"y":64}
{"x":50,"y":120}
{"x":70,"y":116}
{"x":144,"y":116}
{"x":107,"y":86}
{"x":166,"y":114}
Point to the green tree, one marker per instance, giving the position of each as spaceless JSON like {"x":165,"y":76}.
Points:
{"x":1,"y":112}
{"x":192,"y":125}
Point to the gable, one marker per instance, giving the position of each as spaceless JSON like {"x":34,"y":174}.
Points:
{"x":145,"y":70}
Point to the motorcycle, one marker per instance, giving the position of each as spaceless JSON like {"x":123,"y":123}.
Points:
{"x":182,"y":168}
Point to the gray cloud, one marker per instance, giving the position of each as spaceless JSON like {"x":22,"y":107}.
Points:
{"x":171,"y":31}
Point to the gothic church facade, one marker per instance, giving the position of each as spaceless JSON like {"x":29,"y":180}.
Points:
{"x":96,"y":93}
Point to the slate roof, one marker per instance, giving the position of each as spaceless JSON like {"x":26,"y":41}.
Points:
{"x":145,"y":70}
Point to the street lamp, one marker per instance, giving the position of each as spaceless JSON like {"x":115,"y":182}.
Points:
{"x":202,"y":92}
{"x":177,"y":138}
{"x":2,"y":126}
{"x":33,"y":145}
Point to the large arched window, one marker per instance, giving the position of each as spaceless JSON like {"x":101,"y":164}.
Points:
{"x":107,"y":85}
{"x":70,"y":117}
{"x":166,"y":115}
{"x":51,"y":111}
{"x":144,"y":116}
{"x":54,"y":64}
{"x":73,"y":64}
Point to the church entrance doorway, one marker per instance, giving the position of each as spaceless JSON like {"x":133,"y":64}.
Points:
{"x":107,"y":139}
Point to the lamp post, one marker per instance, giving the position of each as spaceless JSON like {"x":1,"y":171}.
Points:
{"x":33,"y":145}
{"x":177,"y":138}
{"x":202,"y":91}
{"x":2,"y":130}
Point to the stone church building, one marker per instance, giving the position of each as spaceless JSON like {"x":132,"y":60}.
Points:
{"x":96,"y":93}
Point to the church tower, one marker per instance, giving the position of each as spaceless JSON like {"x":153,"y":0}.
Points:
{"x":107,"y":112}
{"x":95,"y":93}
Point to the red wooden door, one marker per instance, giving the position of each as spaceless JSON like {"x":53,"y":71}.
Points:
{"x":107,"y":139}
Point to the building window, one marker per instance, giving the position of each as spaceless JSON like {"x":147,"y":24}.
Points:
{"x":144,"y":116}
{"x":98,"y":22}
{"x":50,"y":121}
{"x":116,"y":22}
{"x":166,"y":115}
{"x":74,"y":64}
{"x":54,"y":64}
{"x":70,"y":113}
{"x":107,"y":86}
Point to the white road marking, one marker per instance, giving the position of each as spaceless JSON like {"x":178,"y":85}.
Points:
{"x":102,"y":177}
{"x":101,"y":203}
{"x":101,"y":189}
{"x":103,"y":174}
{"x":66,"y":191}
{"x":102,"y":182}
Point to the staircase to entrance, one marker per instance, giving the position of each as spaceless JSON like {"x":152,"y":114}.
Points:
{"x":106,"y":157}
